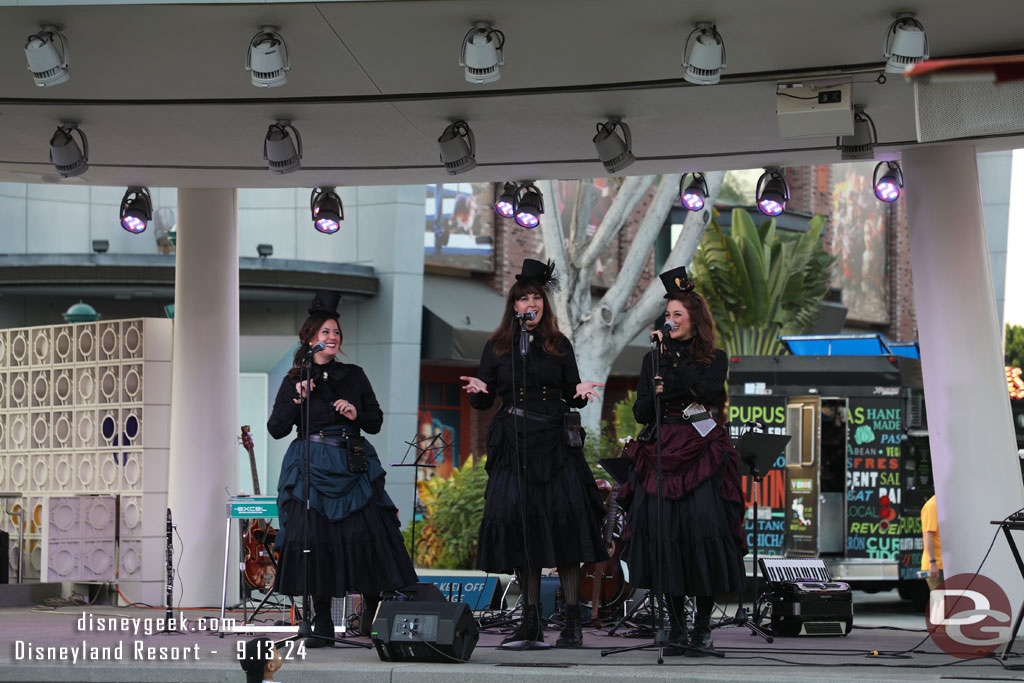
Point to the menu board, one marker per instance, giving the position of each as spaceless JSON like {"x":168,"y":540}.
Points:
{"x":873,"y":470}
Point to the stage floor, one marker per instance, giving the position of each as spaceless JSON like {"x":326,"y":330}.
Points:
{"x":881,"y":623}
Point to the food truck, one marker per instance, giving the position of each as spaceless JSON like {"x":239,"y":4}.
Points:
{"x":851,"y":483}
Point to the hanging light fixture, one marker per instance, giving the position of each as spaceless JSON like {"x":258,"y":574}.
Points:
{"x":889,"y":186}
{"x":505,"y":205}
{"x":283,"y":154}
{"x":529,"y":205}
{"x":47,"y":52}
{"x":267,"y":58}
{"x":772,"y":192}
{"x":704,"y":57}
{"x":615,"y":153}
{"x":482,"y":53}
{"x":326,"y":210}
{"x":458,"y":148}
{"x":692,"y":198}
{"x":65,"y":154}
{"x":136,"y":209}
{"x":906,"y":43}
{"x":860,"y":145}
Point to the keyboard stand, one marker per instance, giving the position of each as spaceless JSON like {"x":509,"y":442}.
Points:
{"x":1007,"y":526}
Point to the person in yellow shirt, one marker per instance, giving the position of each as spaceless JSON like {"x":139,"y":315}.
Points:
{"x":931,"y":558}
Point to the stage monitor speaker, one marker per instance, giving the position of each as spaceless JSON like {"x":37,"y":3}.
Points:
{"x":413,"y":631}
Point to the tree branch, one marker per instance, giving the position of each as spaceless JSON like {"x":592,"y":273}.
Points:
{"x":640,"y":249}
{"x":629,"y":195}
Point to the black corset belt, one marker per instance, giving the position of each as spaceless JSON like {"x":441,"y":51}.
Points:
{"x":677,"y":419}
{"x":530,"y":415}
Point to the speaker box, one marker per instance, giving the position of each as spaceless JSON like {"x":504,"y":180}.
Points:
{"x":414,"y":631}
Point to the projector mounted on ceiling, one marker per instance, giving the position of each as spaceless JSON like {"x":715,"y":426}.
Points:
{"x":813,"y":111}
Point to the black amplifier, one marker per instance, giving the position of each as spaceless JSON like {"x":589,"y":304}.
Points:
{"x":812,"y":608}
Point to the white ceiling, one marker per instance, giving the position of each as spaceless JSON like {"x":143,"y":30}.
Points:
{"x":162,"y":94}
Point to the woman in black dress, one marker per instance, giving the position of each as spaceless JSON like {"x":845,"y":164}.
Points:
{"x":543,"y":508}
{"x":702,"y":512}
{"x":354,"y":535}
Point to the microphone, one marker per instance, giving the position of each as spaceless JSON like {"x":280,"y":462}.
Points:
{"x":316,"y":348}
{"x":529,"y":315}
{"x":667,"y":328}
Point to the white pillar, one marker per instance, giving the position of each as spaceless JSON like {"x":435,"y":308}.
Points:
{"x":970,"y":429}
{"x":204,"y":400}
{"x":387,"y":340}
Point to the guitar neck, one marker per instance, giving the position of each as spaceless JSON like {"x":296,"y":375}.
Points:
{"x":609,"y":520}
{"x":247,"y":444}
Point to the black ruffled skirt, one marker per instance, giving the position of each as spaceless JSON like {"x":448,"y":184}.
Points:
{"x":700,"y":554}
{"x":547,"y":513}
{"x":354,"y":538}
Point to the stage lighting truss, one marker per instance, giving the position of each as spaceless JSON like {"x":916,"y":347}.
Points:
{"x":458,"y":148}
{"x":906,"y":43}
{"x":505,"y":205}
{"x":267,"y":58}
{"x":860,"y":145}
{"x":704,"y":57}
{"x":889,"y":186}
{"x":48,"y":52}
{"x":283,"y":154}
{"x":136,"y":209}
{"x":692,"y":198}
{"x":527,"y":204}
{"x":326,"y":210}
{"x":483,"y":53}
{"x":772,"y":192}
{"x":66,"y":156}
{"x":615,"y":153}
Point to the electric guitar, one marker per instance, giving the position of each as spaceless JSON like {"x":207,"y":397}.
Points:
{"x":259,"y":536}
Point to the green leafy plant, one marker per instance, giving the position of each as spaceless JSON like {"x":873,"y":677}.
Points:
{"x":759,"y":283}
{"x":454,"y":507}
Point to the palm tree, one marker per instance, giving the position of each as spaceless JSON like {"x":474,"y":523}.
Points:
{"x":760,"y":284}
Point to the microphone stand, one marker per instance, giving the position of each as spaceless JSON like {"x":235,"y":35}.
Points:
{"x":305,"y":625}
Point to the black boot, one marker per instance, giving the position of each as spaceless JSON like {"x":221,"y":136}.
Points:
{"x":529,"y":635}
{"x":700,"y":638}
{"x":322,"y":625}
{"x":572,"y":632}
{"x":678,"y":633}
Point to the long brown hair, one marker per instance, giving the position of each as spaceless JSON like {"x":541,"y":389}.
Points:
{"x":307,"y":333}
{"x":501,"y":338}
{"x":701,"y":322}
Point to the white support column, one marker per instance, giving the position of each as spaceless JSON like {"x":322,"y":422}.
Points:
{"x":974,"y":454}
{"x":204,"y":401}
{"x":387,"y":343}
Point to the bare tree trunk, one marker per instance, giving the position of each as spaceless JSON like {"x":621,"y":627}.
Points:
{"x":600,"y":330}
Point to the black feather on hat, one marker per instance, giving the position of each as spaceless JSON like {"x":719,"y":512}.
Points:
{"x":676,"y":280}
{"x":541,"y":274}
{"x":325,"y":303}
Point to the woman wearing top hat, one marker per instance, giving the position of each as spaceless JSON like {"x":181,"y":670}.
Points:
{"x":703,"y":543}
{"x":542,"y":506}
{"x":354,"y":538}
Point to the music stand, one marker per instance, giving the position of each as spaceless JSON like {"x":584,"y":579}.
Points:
{"x":434,"y":450}
{"x":758,"y":452}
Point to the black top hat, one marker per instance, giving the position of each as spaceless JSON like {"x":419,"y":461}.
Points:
{"x":676,"y":281}
{"x":541,"y":274}
{"x":325,"y":303}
